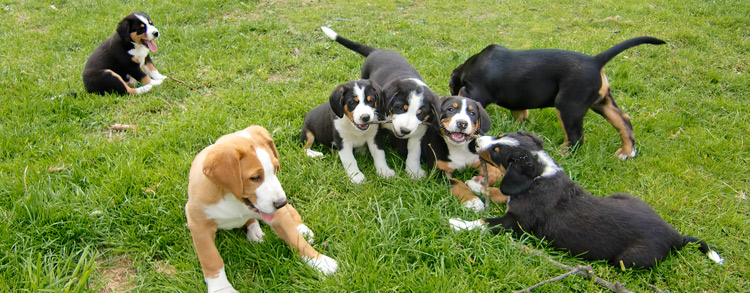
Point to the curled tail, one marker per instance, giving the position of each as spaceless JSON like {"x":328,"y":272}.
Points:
{"x":713,"y":255}
{"x":605,"y":56}
{"x":356,"y":47}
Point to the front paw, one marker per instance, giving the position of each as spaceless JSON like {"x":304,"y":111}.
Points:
{"x":143,"y":89}
{"x":623,"y":156}
{"x":155,"y":81}
{"x":254,"y":233}
{"x":158,"y":76}
{"x":322,"y":263}
{"x":458,"y":224}
{"x":357,"y":177}
{"x":225,"y":290}
{"x":475,"y":204}
{"x":418,"y":174}
{"x":475,"y":185}
{"x":313,"y":154}
{"x":386,"y":172}
{"x":306,"y":232}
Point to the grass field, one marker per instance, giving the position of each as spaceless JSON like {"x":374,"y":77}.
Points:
{"x":83,"y":208}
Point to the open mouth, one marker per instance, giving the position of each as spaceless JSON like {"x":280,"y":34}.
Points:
{"x":363,"y":126}
{"x":457,"y":137}
{"x":266,"y":217}
{"x":150,"y":44}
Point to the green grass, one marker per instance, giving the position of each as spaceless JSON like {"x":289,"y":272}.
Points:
{"x":121,"y":194}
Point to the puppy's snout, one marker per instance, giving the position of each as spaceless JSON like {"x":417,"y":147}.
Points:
{"x":462,"y":124}
{"x":366,"y":118}
{"x":279,"y":203}
{"x":155,"y":33}
{"x":405,"y":131}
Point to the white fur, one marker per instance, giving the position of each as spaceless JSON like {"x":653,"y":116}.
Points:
{"x":413,"y":154}
{"x":306,"y":232}
{"x":458,"y":224}
{"x":329,"y":32}
{"x":254,"y":233}
{"x":139,"y":53}
{"x":322,"y":263}
{"x":475,"y":204}
{"x":475,"y":186}
{"x":550,"y":168}
{"x":219,"y":284}
{"x":459,"y":155}
{"x":714,"y":256}
{"x":143,"y":89}
{"x":622,"y":156}
{"x":362,"y":109}
{"x":230,"y":213}
{"x":461,"y":116}
{"x":313,"y":154}
{"x":270,"y":190}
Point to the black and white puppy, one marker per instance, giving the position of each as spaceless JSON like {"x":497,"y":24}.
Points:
{"x":343,"y":123}
{"x":449,"y":145}
{"x":409,"y":105}
{"x":123,"y":60}
{"x":620,"y":228}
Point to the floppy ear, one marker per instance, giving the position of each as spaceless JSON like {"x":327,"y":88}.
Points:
{"x":123,"y":29}
{"x":337,"y":101}
{"x":437,"y":104}
{"x":484,"y":120}
{"x":222,"y":167}
{"x":515,"y":180}
{"x":384,"y":107}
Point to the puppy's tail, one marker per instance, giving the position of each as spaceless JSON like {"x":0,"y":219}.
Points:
{"x":713,"y":255}
{"x":605,"y":56}
{"x":356,"y":47}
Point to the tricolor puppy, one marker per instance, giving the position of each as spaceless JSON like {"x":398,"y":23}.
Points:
{"x":408,"y":104}
{"x":123,"y":60}
{"x":620,"y":228}
{"x":449,"y":145}
{"x":343,"y":123}
{"x":569,"y":81}
{"x":232,"y":184}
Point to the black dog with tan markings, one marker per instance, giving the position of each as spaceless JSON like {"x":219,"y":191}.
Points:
{"x":569,"y":81}
{"x":620,"y":228}
{"x":123,"y":60}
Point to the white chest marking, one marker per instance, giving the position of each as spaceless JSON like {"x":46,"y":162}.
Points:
{"x":351,"y":134}
{"x":460,"y":156}
{"x":139,"y":53}
{"x":230,"y":213}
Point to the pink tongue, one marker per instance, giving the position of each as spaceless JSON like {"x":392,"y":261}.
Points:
{"x":266,"y":217}
{"x":151,"y":45}
{"x":457,"y":136}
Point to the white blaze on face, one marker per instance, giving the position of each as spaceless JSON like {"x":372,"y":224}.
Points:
{"x":151,"y":31}
{"x":462,"y":115}
{"x":409,"y":120}
{"x":362,"y":109}
{"x":485,"y":142}
{"x":270,"y":190}
{"x":550,"y":168}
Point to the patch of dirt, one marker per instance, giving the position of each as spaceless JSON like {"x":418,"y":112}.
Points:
{"x":117,"y":273}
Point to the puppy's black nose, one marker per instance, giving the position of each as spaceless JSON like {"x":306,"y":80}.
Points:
{"x":156,"y":34}
{"x":405,"y":131}
{"x":461,"y":124}
{"x":279,"y":204}
{"x":366,"y":118}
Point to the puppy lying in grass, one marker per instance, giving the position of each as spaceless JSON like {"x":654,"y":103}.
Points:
{"x":620,"y":228}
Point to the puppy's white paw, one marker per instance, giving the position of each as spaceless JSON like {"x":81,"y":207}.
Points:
{"x":155,"y":81}
{"x":143,"y":89}
{"x":418,"y":174}
{"x":313,"y":154}
{"x":220,"y":284}
{"x":357,"y":178}
{"x":156,"y":75}
{"x":306,"y":232}
{"x":225,"y":290}
{"x":622,"y":156}
{"x":131,"y":81}
{"x":475,"y":204}
{"x":475,"y":186}
{"x":322,"y":263}
{"x":458,"y":224}
{"x":386,"y":172}
{"x":254,"y":233}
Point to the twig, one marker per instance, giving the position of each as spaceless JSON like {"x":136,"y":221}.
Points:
{"x":588,"y":274}
{"x":391,"y":121}
{"x":655,"y":289}
{"x":182,"y":82}
{"x":558,"y":278}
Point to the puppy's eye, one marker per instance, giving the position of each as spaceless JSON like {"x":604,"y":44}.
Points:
{"x":256,"y":178}
{"x":450,"y":110}
{"x":472,"y":113}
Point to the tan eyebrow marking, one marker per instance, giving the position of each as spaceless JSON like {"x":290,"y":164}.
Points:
{"x":369,"y":98}
{"x":406,"y":107}
{"x":455,"y":105}
{"x":471,"y":108}
{"x":497,"y":149}
{"x":419,"y":111}
{"x":356,"y":99}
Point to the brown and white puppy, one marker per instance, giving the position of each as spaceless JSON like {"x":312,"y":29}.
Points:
{"x":123,"y":60}
{"x":569,"y":81}
{"x":408,"y":104}
{"x":232,"y":184}
{"x":449,"y":145}
{"x":620,"y":228}
{"x":343,"y":124}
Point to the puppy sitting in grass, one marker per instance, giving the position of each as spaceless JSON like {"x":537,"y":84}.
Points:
{"x":343,"y":123}
{"x":620,"y":228}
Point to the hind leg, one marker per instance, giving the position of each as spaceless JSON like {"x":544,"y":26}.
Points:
{"x":620,"y":121}
{"x":639,"y":256}
{"x":571,"y":121}
{"x":109,"y":81}
{"x":308,"y":138}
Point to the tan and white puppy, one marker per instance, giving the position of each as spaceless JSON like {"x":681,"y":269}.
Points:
{"x":232,"y":184}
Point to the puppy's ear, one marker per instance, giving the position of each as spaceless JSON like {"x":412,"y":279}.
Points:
{"x":222,"y":167}
{"x":515,"y":180}
{"x":436,"y":106}
{"x":123,"y":29}
{"x":484,"y":120}
{"x":337,"y":101}
{"x":461,"y":92}
{"x":384,"y":108}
